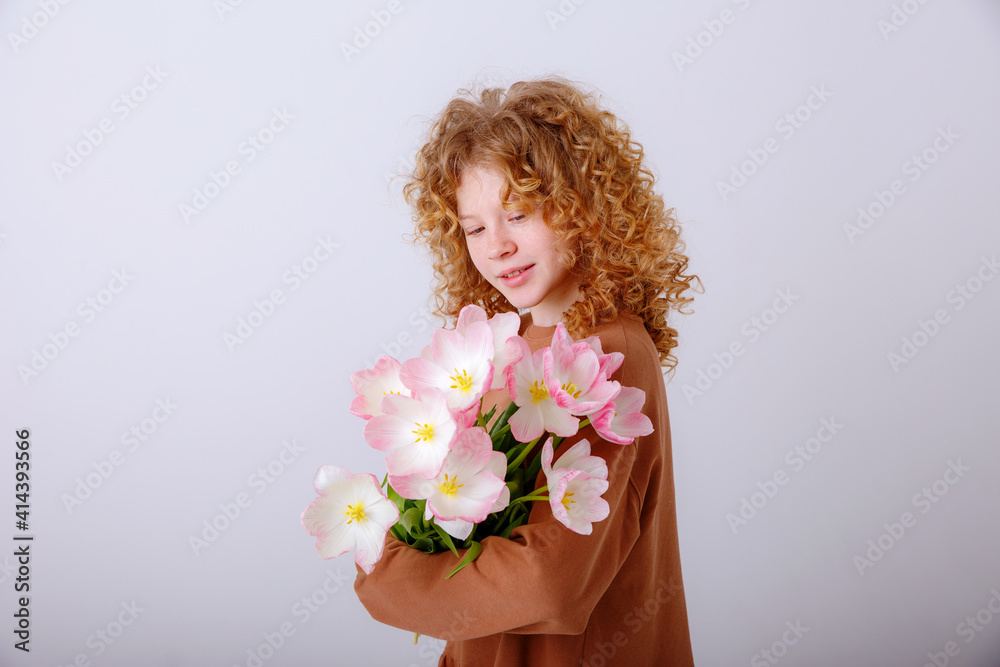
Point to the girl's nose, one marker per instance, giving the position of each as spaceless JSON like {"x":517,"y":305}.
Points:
{"x":500,"y":244}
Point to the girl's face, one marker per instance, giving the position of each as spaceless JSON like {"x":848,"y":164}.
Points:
{"x":514,"y":250}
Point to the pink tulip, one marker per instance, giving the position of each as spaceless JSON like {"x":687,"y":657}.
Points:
{"x":459,"y":365}
{"x":610,"y":362}
{"x":504,"y":326}
{"x":351,"y":512}
{"x":538,"y":411}
{"x":466,"y":489}
{"x":372,"y":385}
{"x":417,"y":431}
{"x":573,"y":375}
{"x":576,"y":483}
{"x":621,"y":421}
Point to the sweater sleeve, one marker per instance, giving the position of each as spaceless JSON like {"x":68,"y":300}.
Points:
{"x":546,"y":579}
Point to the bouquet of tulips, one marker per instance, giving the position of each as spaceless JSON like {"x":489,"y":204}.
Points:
{"x":456,"y":475}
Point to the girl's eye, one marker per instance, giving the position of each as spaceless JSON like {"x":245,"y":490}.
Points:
{"x":520,"y":217}
{"x":474,"y":232}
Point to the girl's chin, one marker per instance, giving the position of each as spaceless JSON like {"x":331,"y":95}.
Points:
{"x":517,"y":298}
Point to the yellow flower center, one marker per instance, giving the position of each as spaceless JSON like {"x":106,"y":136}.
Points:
{"x":449,"y":487}
{"x":571,"y":389}
{"x":567,"y":500}
{"x":390,"y":391}
{"x":462,"y":380}
{"x":539,"y":392}
{"x":355,"y":513}
{"x":423,"y":431}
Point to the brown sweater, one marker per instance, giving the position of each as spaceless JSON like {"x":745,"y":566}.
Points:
{"x":548,"y":596}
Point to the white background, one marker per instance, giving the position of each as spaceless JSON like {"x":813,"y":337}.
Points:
{"x":358,"y":118}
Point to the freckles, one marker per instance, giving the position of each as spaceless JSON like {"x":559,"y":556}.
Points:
{"x":476,"y":262}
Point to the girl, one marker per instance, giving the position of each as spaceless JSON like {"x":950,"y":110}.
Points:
{"x":535,"y":198}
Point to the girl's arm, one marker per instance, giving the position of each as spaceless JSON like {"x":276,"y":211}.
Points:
{"x":546,"y":579}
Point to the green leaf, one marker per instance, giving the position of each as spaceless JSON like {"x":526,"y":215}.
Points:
{"x":425,"y":544}
{"x":446,"y":538}
{"x":427,"y":534}
{"x":517,"y":521}
{"x":489,"y":415}
{"x":502,"y":420}
{"x":410,"y":520}
{"x":470,"y":556}
{"x":397,"y":500}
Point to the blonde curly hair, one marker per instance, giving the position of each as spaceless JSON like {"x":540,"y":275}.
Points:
{"x":559,"y":150}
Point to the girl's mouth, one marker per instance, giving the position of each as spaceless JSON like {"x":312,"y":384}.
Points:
{"x":516,"y":277}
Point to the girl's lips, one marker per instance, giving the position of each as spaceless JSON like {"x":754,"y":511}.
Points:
{"x":519,"y":277}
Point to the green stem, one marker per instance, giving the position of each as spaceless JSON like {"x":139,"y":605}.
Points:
{"x":524,"y":452}
{"x":536,"y":464}
{"x":535,"y":467}
{"x":502,"y":419}
{"x":534,"y":495}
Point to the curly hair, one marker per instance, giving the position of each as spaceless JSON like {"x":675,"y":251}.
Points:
{"x":559,"y":150}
